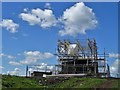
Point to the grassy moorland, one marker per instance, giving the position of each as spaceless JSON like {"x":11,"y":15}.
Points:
{"x":73,"y":82}
{"x":19,"y":82}
{"x":80,"y":83}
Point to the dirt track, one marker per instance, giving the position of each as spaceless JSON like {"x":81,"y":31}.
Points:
{"x":108,"y":84}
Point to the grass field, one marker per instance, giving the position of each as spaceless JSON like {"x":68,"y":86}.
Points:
{"x":80,"y":83}
{"x":19,"y":82}
{"x":74,"y":82}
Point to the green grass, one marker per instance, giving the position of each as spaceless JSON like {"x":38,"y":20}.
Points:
{"x":0,"y":83}
{"x":80,"y":83}
{"x":73,"y":82}
{"x":116,"y":84}
{"x":19,"y":82}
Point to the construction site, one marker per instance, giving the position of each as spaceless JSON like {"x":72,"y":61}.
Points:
{"x":80,"y":66}
{"x":75,"y":58}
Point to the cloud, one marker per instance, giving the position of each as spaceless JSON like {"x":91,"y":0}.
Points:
{"x":7,"y":56}
{"x":33,"y":56}
{"x":114,"y":55}
{"x":25,"y":9}
{"x":2,"y":54}
{"x":77,"y":20}
{"x":43,"y":18}
{"x":41,"y":67}
{"x":9,"y":25}
{"x":114,"y":68}
{"x":30,"y":69}
{"x":14,"y":63}
{"x":1,"y":67}
{"x":47,"y":5}
{"x":16,"y":71}
{"x":10,"y":57}
{"x":44,"y":66}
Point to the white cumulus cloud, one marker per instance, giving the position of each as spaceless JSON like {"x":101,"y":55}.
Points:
{"x":9,"y":25}
{"x":25,"y":9}
{"x":77,"y":20}
{"x":10,"y":57}
{"x":2,"y":54}
{"x":42,"y":67}
{"x":1,"y":67}
{"x":7,"y":56}
{"x":14,"y":63}
{"x":114,"y":68}
{"x":114,"y":55}
{"x":16,"y":71}
{"x":47,"y":5}
{"x":30,"y":57}
{"x":33,"y":56}
{"x":43,"y":18}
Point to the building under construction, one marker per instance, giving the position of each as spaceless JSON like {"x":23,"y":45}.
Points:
{"x":80,"y":58}
{"x":77,"y":58}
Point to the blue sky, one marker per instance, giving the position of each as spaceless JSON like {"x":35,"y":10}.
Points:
{"x":35,"y":38}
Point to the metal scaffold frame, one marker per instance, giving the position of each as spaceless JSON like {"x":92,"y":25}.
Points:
{"x":84,"y":56}
{"x":75,"y":58}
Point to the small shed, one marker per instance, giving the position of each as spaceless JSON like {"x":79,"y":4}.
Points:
{"x":38,"y":74}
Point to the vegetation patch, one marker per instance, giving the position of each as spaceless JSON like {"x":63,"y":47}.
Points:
{"x":79,"y":83}
{"x":19,"y":82}
{"x":73,"y":82}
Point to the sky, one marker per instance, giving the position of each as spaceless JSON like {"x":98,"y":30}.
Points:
{"x":30,"y":31}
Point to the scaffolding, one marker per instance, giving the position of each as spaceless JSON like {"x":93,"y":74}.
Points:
{"x":80,"y":57}
{"x":75,"y":58}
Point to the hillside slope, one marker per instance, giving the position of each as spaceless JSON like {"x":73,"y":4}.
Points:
{"x":74,"y":82}
{"x":19,"y":82}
